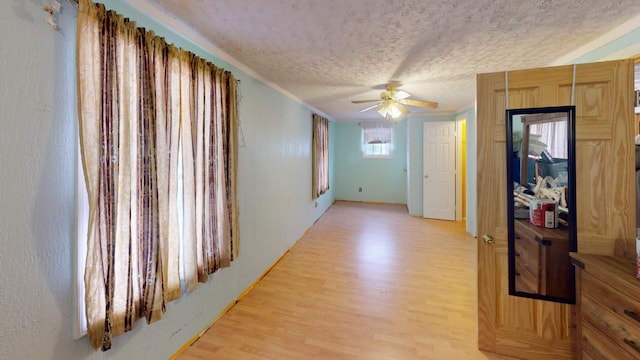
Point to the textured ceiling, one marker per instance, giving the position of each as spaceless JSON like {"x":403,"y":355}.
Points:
{"x":329,"y":52}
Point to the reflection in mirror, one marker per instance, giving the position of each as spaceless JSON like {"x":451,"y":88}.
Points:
{"x":541,"y":187}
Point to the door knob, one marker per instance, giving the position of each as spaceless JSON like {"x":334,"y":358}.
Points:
{"x":488,"y":240}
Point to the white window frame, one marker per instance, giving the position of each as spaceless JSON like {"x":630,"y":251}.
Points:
{"x":377,"y":150}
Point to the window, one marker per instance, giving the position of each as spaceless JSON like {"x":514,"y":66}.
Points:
{"x":158,"y":140}
{"x":377,"y":141}
{"x":553,"y":135}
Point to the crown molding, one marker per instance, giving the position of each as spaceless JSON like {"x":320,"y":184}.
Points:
{"x":625,"y":28}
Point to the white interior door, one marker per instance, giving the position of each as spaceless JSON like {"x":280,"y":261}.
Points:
{"x":439,"y":170}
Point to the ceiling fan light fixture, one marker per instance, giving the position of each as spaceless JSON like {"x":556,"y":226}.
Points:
{"x":391,"y":110}
{"x":394,"y":111}
{"x":392,"y":103}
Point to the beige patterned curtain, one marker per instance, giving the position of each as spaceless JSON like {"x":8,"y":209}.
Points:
{"x":155,"y":123}
{"x":320,"y":153}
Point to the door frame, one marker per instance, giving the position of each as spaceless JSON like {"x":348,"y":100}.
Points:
{"x":407,"y":170}
{"x":461,"y":164}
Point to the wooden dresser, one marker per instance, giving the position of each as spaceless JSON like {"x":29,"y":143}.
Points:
{"x":608,"y":307}
{"x":542,"y":264}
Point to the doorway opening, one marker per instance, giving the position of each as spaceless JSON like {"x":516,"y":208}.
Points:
{"x":461,"y":169}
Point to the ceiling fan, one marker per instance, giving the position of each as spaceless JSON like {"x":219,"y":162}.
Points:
{"x":392,"y":103}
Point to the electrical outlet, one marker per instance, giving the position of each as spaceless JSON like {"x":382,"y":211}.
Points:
{"x":359,"y":189}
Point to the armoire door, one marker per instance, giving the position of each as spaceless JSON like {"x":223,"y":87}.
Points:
{"x":528,"y":328}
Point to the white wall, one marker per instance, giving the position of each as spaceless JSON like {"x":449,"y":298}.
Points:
{"x":381,"y":180}
{"x":37,"y":182}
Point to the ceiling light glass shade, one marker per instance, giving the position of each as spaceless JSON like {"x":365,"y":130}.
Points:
{"x":384,"y":110}
{"x":394,"y":111}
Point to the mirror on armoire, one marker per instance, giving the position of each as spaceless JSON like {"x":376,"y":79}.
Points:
{"x":541,"y":207}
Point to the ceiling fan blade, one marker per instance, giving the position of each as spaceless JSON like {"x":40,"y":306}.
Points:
{"x":399,"y":95}
{"x":421,"y":103}
{"x":364,"y":101}
{"x":370,"y":107}
{"x":403,"y":109}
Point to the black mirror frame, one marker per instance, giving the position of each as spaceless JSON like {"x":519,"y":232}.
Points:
{"x":571,"y":196}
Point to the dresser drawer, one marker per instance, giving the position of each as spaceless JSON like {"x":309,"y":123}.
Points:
{"x":597,"y":346}
{"x":608,"y":307}
{"x":615,"y":327}
{"x":528,"y":254}
{"x":526,"y":282}
{"x":626,"y":308}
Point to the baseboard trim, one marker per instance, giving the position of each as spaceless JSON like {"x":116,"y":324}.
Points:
{"x":230,"y":305}
{"x":370,"y":202}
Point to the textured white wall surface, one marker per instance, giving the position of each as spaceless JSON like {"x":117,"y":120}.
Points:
{"x":37,"y":154}
{"x":37,"y":196}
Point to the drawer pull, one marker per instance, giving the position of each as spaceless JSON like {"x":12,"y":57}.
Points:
{"x":632,"y":315}
{"x":632,"y":344}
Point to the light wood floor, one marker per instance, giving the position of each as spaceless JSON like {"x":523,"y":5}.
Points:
{"x":365,"y":282}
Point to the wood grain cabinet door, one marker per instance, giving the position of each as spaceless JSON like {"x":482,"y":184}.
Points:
{"x":529,"y":328}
